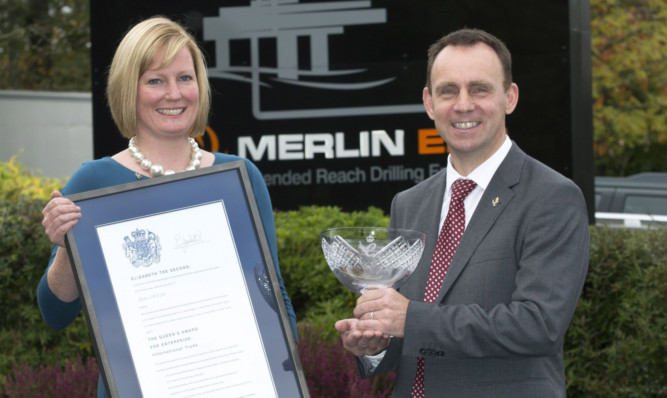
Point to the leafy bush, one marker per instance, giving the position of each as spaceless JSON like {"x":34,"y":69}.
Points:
{"x":16,"y":181}
{"x":318,"y":298}
{"x":615,"y":347}
{"x":77,"y":379}
{"x":331,"y":371}
{"x":617,"y":342}
{"x":24,"y":254}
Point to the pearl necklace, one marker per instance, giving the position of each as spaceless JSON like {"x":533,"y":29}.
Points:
{"x":157,"y":170}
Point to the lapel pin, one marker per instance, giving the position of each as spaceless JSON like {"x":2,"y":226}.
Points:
{"x":495,"y":201}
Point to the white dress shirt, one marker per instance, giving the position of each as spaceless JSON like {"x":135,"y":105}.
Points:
{"x":481,"y":175}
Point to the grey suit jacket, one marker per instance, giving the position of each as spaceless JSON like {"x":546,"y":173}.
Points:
{"x":497,"y":327}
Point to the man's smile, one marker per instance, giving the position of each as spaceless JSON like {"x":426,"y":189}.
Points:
{"x":466,"y":125}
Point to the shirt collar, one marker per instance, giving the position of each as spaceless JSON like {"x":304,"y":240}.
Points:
{"x":484,"y":172}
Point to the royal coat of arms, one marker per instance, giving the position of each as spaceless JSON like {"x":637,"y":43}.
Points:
{"x":143,"y":249}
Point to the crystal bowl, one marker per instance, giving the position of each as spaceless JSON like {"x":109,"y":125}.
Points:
{"x":372,"y":257}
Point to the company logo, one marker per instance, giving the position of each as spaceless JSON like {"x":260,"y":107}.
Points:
{"x":295,"y":29}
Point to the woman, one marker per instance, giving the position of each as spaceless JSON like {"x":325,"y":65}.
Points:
{"x":159,"y":96}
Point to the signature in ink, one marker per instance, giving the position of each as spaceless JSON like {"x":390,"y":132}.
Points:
{"x":185,"y":241}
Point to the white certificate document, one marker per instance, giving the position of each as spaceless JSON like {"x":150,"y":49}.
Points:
{"x":184,"y":305}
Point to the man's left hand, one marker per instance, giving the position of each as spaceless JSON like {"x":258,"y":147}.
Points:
{"x":383,"y":310}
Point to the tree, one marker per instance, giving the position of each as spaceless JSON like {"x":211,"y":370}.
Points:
{"x":45,"y":45}
{"x":629,"y":41}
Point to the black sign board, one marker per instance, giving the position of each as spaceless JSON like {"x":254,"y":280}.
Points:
{"x":325,"y":96}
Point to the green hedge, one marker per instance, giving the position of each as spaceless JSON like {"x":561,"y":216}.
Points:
{"x":616,"y":345}
{"x":24,"y":254}
{"x":318,"y":298}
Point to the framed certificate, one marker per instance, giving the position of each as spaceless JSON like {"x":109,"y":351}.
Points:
{"x":180,"y":291}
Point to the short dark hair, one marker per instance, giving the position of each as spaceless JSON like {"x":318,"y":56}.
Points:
{"x":468,"y":38}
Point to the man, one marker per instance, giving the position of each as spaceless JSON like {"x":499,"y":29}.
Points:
{"x":487,"y":317}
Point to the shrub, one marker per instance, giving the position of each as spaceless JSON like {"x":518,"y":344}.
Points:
{"x":24,"y":254}
{"x":331,"y":371}
{"x":617,"y":342}
{"x":318,"y":298}
{"x":615,"y":347}
{"x":77,"y":379}
{"x":16,"y":181}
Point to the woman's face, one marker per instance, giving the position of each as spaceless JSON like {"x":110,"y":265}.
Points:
{"x":168,"y":98}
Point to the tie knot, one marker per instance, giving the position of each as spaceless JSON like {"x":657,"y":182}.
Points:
{"x":461,"y":188}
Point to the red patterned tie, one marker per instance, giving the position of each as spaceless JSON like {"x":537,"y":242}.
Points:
{"x":448,"y":241}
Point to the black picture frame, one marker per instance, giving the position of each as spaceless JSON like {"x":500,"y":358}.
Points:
{"x":227,"y":183}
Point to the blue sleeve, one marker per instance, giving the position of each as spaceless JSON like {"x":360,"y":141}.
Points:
{"x":57,"y":313}
{"x":266,"y":213}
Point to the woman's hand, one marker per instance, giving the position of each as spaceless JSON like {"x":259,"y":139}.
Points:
{"x":60,"y":215}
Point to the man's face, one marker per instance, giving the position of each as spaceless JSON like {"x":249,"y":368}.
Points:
{"x":468,"y":103}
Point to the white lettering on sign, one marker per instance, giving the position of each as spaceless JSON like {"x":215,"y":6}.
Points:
{"x":358,"y":175}
{"x":330,"y":146}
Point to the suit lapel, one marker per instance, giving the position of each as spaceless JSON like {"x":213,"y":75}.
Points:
{"x":495,"y":199}
{"x":429,"y":221}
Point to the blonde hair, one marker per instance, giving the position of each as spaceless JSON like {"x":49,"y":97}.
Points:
{"x":135,"y":54}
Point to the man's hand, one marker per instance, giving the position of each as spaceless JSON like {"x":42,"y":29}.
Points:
{"x":383,"y":310}
{"x":361,"y":342}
